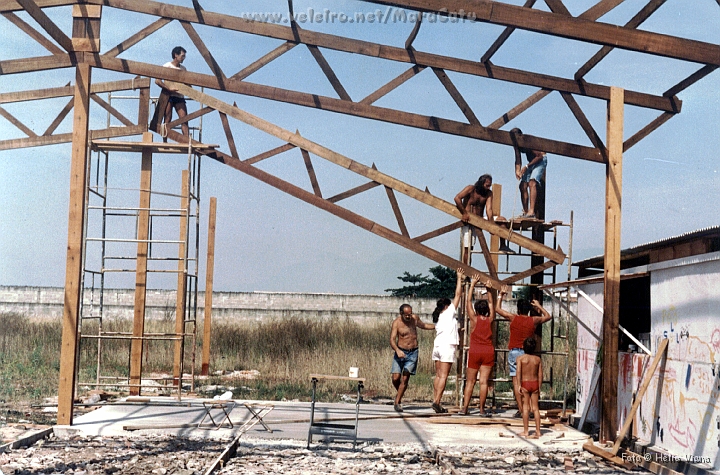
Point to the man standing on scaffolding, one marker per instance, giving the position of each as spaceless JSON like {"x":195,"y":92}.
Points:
{"x":531,"y":176}
{"x":475,"y":199}
{"x":176,"y":99}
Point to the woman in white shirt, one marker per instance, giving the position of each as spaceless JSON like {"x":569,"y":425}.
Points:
{"x":446,"y":341}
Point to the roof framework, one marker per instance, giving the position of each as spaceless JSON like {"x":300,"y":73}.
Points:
{"x":81,"y":49}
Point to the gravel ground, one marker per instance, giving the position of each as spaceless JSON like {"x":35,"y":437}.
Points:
{"x":167,"y":455}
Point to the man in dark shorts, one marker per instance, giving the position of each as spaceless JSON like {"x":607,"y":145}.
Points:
{"x":177,"y":100}
{"x":404,"y":342}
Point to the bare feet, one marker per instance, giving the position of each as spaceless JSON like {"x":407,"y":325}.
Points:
{"x":535,"y":436}
{"x":524,"y":434}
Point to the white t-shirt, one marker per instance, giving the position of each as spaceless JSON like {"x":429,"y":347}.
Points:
{"x":446,"y":327}
{"x":179,"y":67}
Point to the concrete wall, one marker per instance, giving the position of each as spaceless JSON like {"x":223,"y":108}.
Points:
{"x":47,"y":302}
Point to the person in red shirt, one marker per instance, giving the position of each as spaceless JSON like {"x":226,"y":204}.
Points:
{"x":522,"y":326}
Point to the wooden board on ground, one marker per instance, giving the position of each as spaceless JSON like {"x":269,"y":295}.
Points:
{"x":477,"y":420}
{"x":600,"y":452}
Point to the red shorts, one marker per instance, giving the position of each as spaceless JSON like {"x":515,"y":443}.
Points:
{"x":481,"y":356}
{"x":530,"y":386}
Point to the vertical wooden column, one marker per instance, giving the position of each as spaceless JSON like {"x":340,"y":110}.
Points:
{"x":86,"y":37}
{"x":144,"y":107}
{"x":182,"y":279}
{"x":611,"y":294}
{"x":494,"y":240}
{"x":136,"y":347}
{"x":209,"y":271}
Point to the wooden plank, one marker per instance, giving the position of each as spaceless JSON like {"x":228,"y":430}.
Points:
{"x":159,"y":114}
{"x":229,"y":135}
{"x":605,"y":455}
{"x":40,"y":63}
{"x":209,"y":273}
{"x":10,"y":118}
{"x":46,"y":24}
{"x":353,"y":191}
{"x":496,"y":208}
{"x":266,"y":59}
{"x":60,"y":117}
{"x":114,"y":112}
{"x":144,"y":106}
{"x":520,"y":108}
{"x":181,"y":280}
{"x":638,"y":397}
{"x":634,"y":22}
{"x":457,"y":97}
{"x":329,"y":73}
{"x":690,"y":80}
{"x":413,"y":34}
{"x":439,"y":231}
{"x":368,"y":172}
{"x":345,"y":214}
{"x":311,"y":172}
{"x":366,"y":48}
{"x":138,"y":37}
{"x":583,"y":120}
{"x":191,"y":116}
{"x":557,"y":6}
{"x":14,"y":6}
{"x":205,"y":52}
{"x":270,"y":153}
{"x":599,"y":9}
{"x":503,"y":37}
{"x":530,"y":272}
{"x":32,"y":33}
{"x":396,"y":211}
{"x":492,"y":269}
{"x":64,"y":138}
{"x":68,"y":91}
{"x":390,"y":86}
{"x":73,"y":266}
{"x":143,"y":233}
{"x":611,"y":293}
{"x":647,"y":130}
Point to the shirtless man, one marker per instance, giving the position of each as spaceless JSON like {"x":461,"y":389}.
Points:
{"x":531,"y":175}
{"x":529,"y":369}
{"x":477,"y":199}
{"x":404,"y":342}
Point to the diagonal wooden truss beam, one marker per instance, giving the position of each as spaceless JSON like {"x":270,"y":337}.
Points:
{"x":599,"y":9}
{"x":635,"y":22}
{"x":393,"y":84}
{"x":503,"y":37}
{"x":519,"y":109}
{"x":531,"y":271}
{"x":439,"y":231}
{"x":690,"y":80}
{"x":204,"y":52}
{"x":114,"y":112}
{"x":32,"y":33}
{"x":229,"y":136}
{"x":489,"y":261}
{"x":60,"y":117}
{"x":583,"y":121}
{"x":139,"y":36}
{"x":353,"y":191}
{"x":557,"y":6}
{"x":47,"y":24}
{"x":647,"y":130}
{"x":337,"y":105}
{"x":14,"y":121}
{"x":270,"y":153}
{"x":266,"y":59}
{"x":311,"y":172}
{"x":191,"y":116}
{"x":366,"y":48}
{"x":329,"y":73}
{"x":396,"y":211}
{"x":286,"y":136}
{"x":457,"y":97}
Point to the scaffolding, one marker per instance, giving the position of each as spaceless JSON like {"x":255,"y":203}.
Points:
{"x":122,"y":238}
{"x":559,"y":345}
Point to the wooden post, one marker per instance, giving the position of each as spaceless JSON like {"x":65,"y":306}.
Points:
{"x":209,"y":270}
{"x":495,"y":240}
{"x":86,"y":27}
{"x":136,"y":346}
{"x":182,"y":271}
{"x":611,"y":294}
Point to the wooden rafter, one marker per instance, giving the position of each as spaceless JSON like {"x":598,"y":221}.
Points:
{"x":457,"y":97}
{"x":583,"y":121}
{"x":138,"y":37}
{"x":339,"y":105}
{"x":311,"y":173}
{"x":690,"y":80}
{"x":647,"y":130}
{"x":266,"y":59}
{"x":503,"y":37}
{"x":39,"y":63}
{"x":635,"y":22}
{"x":229,"y":135}
{"x":191,"y":116}
{"x":39,"y":141}
{"x":396,"y":211}
{"x":439,"y":231}
{"x":531,"y":271}
{"x":270,"y":153}
{"x":393,"y":84}
{"x":353,"y":191}
{"x":554,"y":254}
{"x":114,"y":112}
{"x":60,"y":117}
{"x":14,"y":121}
{"x":329,"y":73}
{"x":557,"y":6}
{"x":492,"y":270}
{"x":67,"y":91}
{"x":47,"y":24}
{"x":366,"y":48}
{"x":32,"y":33}
{"x":204,"y":52}
{"x":519,"y":109}
{"x":599,"y":9}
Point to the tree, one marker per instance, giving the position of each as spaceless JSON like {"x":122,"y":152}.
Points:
{"x":441,"y":283}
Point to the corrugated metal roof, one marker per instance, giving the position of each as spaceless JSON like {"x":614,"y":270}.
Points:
{"x":659,"y":243}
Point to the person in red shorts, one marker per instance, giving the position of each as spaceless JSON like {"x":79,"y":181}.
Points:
{"x":481,"y":357}
{"x":522,"y":326}
{"x":529,"y":370}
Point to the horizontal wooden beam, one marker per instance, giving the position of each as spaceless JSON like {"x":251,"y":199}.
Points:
{"x":14,"y":6}
{"x":337,"y":105}
{"x":38,"y":63}
{"x":66,"y":138}
{"x":373,"y":174}
{"x":67,"y":91}
{"x":366,"y":48}
{"x":555,"y":24}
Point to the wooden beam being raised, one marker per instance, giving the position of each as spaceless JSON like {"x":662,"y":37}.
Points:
{"x":209,"y":274}
{"x":286,"y":136}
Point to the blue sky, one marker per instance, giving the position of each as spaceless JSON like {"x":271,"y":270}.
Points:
{"x":267,"y":240}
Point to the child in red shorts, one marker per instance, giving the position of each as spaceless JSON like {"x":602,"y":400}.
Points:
{"x":529,"y":370}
